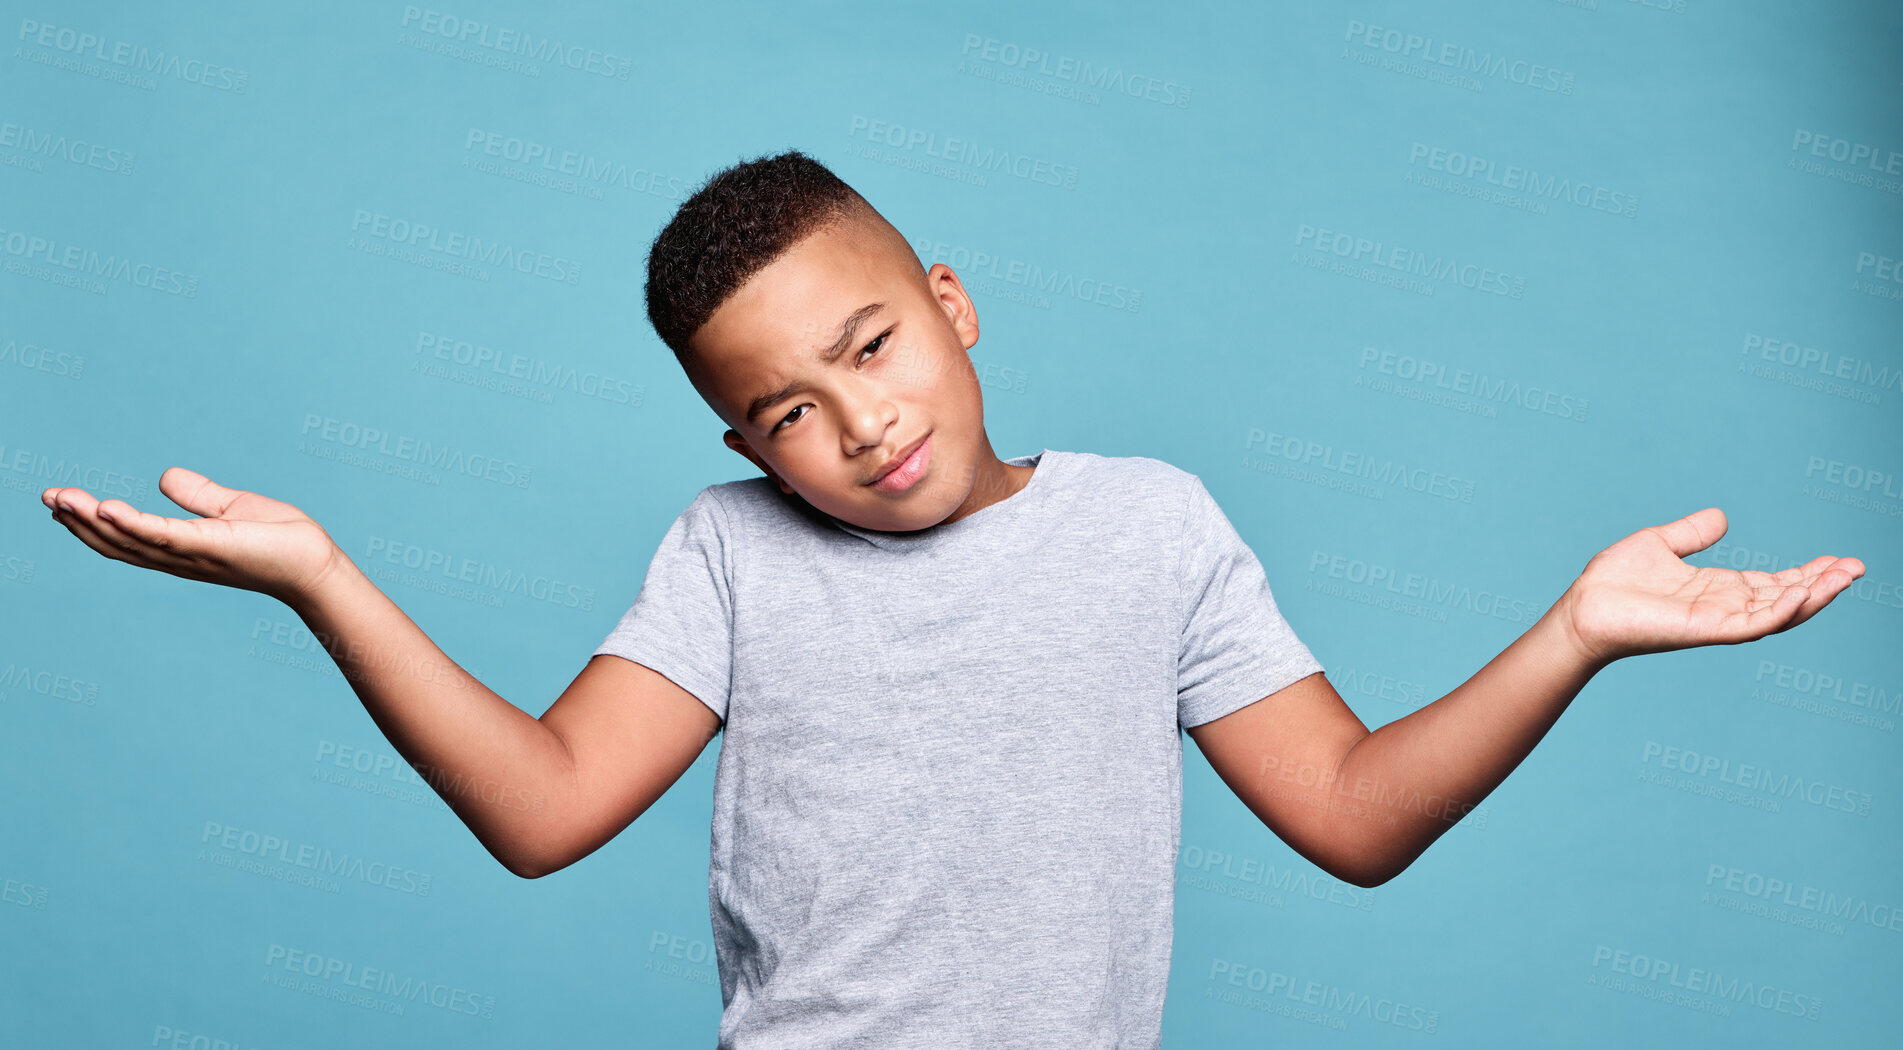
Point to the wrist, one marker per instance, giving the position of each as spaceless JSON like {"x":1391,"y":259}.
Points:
{"x":1562,"y":623}
{"x":337,"y":574}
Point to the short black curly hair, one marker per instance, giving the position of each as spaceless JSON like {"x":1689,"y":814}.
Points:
{"x":729,"y":229}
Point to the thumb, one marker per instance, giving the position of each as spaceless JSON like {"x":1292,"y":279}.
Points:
{"x":1693,"y":532}
{"x":196,"y":492}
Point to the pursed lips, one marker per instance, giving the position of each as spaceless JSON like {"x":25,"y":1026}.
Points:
{"x":896,"y":461}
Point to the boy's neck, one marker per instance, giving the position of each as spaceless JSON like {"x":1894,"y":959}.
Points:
{"x":993,"y":481}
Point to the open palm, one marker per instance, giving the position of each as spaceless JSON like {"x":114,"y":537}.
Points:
{"x":239,"y":539}
{"x":1638,"y":596}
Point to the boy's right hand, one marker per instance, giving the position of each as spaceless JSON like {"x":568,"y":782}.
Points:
{"x":239,"y":539}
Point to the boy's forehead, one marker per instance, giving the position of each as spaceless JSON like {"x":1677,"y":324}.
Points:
{"x":795,"y":307}
{"x":809,"y":289}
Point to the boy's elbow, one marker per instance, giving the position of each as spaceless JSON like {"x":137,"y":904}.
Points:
{"x":1366,"y":874}
{"x":1365,"y":879}
{"x":528,"y":866}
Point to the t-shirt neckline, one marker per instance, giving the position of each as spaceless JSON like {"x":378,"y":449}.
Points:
{"x":981,"y":518}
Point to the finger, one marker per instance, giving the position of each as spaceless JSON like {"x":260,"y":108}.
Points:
{"x":51,"y":496}
{"x":1781,"y":614}
{"x":154,"y":531}
{"x":139,"y":551}
{"x":78,"y":499}
{"x":114,"y":543}
{"x":1813,"y":602}
{"x":1827,"y":585}
{"x":1824,"y":584}
{"x":111,"y":541}
{"x":196,"y":492}
{"x":87,"y":535}
{"x":1766,"y":609}
{"x":1850,"y":567}
{"x":1804,"y":573}
{"x":1693,"y":532}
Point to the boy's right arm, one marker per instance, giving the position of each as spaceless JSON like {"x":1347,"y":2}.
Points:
{"x":539,"y":794}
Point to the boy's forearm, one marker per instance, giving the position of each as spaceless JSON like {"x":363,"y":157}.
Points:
{"x":1415,"y":777}
{"x":498,"y":767}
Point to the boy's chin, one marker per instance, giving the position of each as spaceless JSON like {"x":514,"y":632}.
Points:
{"x":884,"y":523}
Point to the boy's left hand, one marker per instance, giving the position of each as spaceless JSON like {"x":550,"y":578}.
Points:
{"x":1636,"y":596}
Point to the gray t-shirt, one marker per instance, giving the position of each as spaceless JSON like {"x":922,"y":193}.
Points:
{"x":948,"y":799}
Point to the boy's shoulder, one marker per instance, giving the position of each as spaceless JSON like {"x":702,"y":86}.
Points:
{"x":1133,"y":483}
{"x":1130,"y":468}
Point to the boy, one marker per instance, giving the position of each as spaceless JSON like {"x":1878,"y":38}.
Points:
{"x":951,"y":686}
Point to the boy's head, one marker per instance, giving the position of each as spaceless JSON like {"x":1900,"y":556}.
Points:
{"x":805,"y":321}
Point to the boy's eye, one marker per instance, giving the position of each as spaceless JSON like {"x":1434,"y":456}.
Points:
{"x":870,"y":348}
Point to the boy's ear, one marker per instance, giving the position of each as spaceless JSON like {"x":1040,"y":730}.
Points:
{"x":738,"y":444}
{"x":960,"y":313}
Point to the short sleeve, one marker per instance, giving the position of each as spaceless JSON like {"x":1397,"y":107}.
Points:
{"x":1236,"y":647}
{"x":681,"y":622}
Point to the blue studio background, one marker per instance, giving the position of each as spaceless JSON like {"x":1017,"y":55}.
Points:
{"x":1439,"y":299}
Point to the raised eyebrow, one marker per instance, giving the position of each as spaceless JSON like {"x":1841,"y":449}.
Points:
{"x":848,"y":329}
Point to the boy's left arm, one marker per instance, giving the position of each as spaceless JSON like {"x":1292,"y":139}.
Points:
{"x":1363,"y":805}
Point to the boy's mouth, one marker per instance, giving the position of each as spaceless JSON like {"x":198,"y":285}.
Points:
{"x":906,"y":468}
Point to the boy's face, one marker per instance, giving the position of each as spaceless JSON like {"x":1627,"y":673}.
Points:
{"x":823,"y":424}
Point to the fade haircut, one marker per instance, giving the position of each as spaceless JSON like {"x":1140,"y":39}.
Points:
{"x":737,"y":223}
